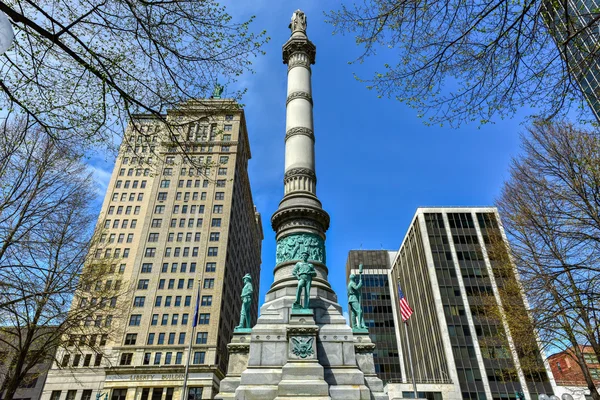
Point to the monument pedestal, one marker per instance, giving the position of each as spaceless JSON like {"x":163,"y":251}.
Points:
{"x":238,"y":349}
{"x":304,"y":354}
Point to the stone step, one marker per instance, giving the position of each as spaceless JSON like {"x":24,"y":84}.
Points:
{"x":303,"y":389}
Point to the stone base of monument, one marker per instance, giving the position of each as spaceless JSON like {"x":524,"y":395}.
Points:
{"x":238,"y":349}
{"x":302,"y":354}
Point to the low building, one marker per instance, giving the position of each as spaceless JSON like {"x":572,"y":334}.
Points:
{"x":31,"y":387}
{"x":569,"y":375}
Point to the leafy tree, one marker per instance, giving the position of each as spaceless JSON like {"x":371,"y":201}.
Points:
{"x":81,"y":68}
{"x":551,"y":210}
{"x":458,"y":61}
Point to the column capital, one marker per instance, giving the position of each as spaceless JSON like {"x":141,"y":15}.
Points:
{"x":299,"y":44}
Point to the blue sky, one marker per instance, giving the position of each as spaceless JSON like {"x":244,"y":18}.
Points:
{"x":376,"y":160}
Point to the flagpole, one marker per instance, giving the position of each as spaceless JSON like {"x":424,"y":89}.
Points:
{"x":187,"y":362}
{"x":412,"y":368}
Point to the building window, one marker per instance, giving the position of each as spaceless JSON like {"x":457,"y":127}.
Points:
{"x":154,"y":319}
{"x":139,"y":301}
{"x":220,"y":182}
{"x":146,"y":359}
{"x":86,"y":395}
{"x":143,"y":284}
{"x":590,"y":358}
{"x":216,"y":222}
{"x":56,"y":395}
{"x":157,"y":358}
{"x":150,"y":252}
{"x":213,"y":251}
{"x":119,"y":394}
{"x":161,"y":336}
{"x":126,"y":358}
{"x":179,"y":358}
{"x":218,"y":209}
{"x":130,"y":339}
{"x":146,"y":268}
{"x":220,"y":196}
{"x":135,"y":319}
{"x":209,"y":283}
{"x":199,"y":357}
{"x":214,"y":237}
{"x":222,"y":171}
{"x":153,"y":237}
{"x":203,"y":319}
{"x":206,"y":301}
{"x":211,"y":267}
{"x":201,"y":337}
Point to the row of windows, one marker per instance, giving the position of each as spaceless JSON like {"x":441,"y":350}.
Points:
{"x":143,"y":284}
{"x":162,"y":196}
{"x":98,"y":321}
{"x":136,"y":319}
{"x":138,"y":171}
{"x":168,"y":171}
{"x":140,"y":301}
{"x":136,"y":210}
{"x":170,"y":160}
{"x":151,"y":252}
{"x":120,"y":239}
{"x":85,"y":340}
{"x":199,"y":356}
{"x":215,"y":223}
{"x":109,"y":252}
{"x":124,"y":224}
{"x":166,"y":183}
{"x":87,"y":360}
{"x":175,"y":267}
{"x":104,"y":301}
{"x":130,"y":184}
{"x":160,"y":209}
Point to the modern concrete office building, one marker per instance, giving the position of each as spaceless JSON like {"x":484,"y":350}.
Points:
{"x":455,"y":272}
{"x":178,"y":213}
{"x":581,"y":51}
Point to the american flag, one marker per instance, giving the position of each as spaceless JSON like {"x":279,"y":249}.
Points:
{"x":405,"y":310}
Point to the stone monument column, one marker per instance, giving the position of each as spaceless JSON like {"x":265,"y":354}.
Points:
{"x":300,"y":221}
{"x":301,"y":346}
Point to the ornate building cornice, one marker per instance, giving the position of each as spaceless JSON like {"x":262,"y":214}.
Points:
{"x":300,"y":130}
{"x":299,"y":95}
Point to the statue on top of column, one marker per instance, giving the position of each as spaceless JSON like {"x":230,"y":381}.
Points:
{"x":298,"y":21}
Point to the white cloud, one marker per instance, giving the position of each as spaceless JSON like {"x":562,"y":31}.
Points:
{"x":101,"y":177}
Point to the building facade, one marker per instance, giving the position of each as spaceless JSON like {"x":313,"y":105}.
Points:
{"x":178,"y":219}
{"x":455,"y":272}
{"x":31,"y":387}
{"x":377,"y":308}
{"x":581,"y":52}
{"x":568,"y":374}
